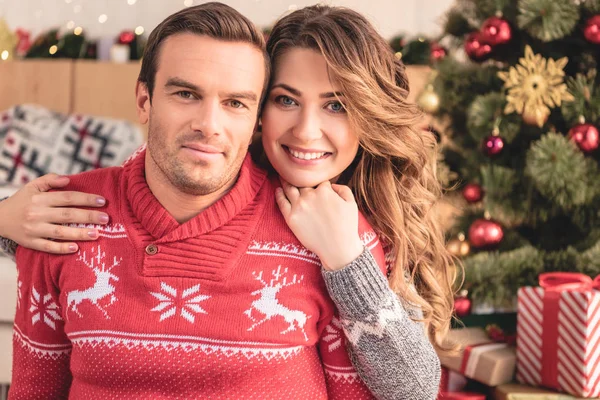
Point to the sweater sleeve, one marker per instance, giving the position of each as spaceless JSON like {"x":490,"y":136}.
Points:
{"x":342,"y":379}
{"x":390,"y":351}
{"x":41,"y":349}
{"x":7,"y":246}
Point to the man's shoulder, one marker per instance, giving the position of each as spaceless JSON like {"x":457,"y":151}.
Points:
{"x":102,"y":178}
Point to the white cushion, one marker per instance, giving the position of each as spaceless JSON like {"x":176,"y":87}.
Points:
{"x":6,"y":191}
{"x":8,"y":289}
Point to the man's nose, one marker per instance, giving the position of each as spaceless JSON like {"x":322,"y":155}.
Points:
{"x":208,"y":118}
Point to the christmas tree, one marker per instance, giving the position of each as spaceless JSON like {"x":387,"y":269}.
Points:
{"x":521,"y":112}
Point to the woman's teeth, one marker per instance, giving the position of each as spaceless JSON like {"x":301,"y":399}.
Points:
{"x":306,"y":156}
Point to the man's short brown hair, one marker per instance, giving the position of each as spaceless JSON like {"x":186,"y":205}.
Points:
{"x":215,"y":20}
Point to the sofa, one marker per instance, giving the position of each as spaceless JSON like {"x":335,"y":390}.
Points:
{"x":35,"y":141}
{"x":8,"y":305}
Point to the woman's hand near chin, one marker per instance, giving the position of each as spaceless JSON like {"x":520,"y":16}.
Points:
{"x":324,"y":219}
{"x":31,"y":216}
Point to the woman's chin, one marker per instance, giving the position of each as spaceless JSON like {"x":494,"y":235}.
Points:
{"x":304,"y":182}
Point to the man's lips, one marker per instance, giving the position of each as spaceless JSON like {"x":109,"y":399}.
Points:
{"x":203,"y":148}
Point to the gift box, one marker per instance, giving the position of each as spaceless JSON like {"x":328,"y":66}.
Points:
{"x":480,"y":358}
{"x":461,"y":396}
{"x":558,"y":336}
{"x":512,"y":391}
{"x":452,"y":381}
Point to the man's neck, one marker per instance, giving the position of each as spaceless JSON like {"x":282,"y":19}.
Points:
{"x":182,"y":206}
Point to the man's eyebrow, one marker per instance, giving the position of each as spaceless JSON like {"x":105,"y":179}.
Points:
{"x":178,"y":82}
{"x":247,"y":95}
{"x":298,"y":93}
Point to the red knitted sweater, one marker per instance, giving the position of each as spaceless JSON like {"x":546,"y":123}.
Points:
{"x":226,"y":305}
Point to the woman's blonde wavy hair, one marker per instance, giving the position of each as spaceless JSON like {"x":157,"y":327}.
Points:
{"x":394,"y":174}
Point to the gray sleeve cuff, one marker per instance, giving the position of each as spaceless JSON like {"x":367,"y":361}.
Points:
{"x":358,"y":290}
{"x":7,"y":246}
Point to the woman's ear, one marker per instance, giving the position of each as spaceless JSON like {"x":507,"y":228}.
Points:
{"x":258,"y":126}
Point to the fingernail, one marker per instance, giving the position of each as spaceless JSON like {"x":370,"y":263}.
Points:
{"x":72,"y":248}
{"x":92,"y":234}
{"x":103,"y":218}
{"x":100,"y":201}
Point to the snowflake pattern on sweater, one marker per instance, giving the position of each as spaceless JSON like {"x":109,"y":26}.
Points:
{"x":226,"y":305}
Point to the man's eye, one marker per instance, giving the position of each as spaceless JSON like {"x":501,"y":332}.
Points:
{"x":236,"y":104}
{"x":184,"y":94}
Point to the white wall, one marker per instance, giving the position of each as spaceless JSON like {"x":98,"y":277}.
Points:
{"x":390,"y":16}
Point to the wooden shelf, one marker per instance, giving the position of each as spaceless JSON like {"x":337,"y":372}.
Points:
{"x":95,"y":88}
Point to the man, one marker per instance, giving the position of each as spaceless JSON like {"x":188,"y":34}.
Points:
{"x":196,"y":289}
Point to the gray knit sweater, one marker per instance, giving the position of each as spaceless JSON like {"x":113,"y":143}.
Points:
{"x":390,"y":351}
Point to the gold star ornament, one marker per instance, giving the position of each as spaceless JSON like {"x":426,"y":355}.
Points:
{"x":535,"y":85}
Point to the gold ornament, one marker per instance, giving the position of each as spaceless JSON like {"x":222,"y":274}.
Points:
{"x":459,"y":247}
{"x":429,"y":101}
{"x":531,"y":117}
{"x":8,"y":41}
{"x":534,"y":86}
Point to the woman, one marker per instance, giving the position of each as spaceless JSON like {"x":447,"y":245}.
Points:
{"x":336,"y":111}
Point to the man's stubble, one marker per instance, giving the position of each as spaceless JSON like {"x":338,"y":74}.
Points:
{"x":178,"y":173}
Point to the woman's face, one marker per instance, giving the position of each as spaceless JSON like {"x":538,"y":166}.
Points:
{"x":305,"y":129}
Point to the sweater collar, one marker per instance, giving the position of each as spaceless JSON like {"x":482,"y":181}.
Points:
{"x":163,"y":227}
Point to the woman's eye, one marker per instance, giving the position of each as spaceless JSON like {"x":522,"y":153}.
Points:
{"x":336,"y":107}
{"x":285,"y":101}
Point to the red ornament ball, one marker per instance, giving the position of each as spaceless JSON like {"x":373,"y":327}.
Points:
{"x":462,"y":306}
{"x":472,"y":193}
{"x":126,"y":37}
{"x":437,"y":52}
{"x":585,"y":136}
{"x":476,"y":48}
{"x":485,"y":233}
{"x":496,"y":31}
{"x":591,"y":31}
{"x":492,"y":145}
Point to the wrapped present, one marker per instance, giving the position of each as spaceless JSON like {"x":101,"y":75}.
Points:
{"x":512,"y":391}
{"x":557,"y":334}
{"x":481,"y":359}
{"x":461,"y":396}
{"x":452,"y":381}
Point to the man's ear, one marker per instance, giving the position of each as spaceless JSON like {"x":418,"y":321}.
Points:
{"x":142,"y":102}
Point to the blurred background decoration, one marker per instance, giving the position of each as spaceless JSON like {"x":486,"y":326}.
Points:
{"x":90,"y":28}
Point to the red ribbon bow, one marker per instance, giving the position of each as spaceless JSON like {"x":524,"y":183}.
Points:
{"x":560,"y":281}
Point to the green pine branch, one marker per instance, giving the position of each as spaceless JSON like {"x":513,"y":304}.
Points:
{"x":507,"y":205}
{"x":592,"y":6}
{"x":456,"y":24}
{"x":504,"y":272}
{"x":590,"y":260}
{"x":486,"y":113}
{"x":560,"y":172}
{"x":548,"y":20}
{"x":587,"y":99}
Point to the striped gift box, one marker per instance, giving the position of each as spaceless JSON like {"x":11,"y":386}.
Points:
{"x":557,"y":334}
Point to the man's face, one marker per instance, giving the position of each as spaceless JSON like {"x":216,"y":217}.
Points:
{"x":203,"y":111}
